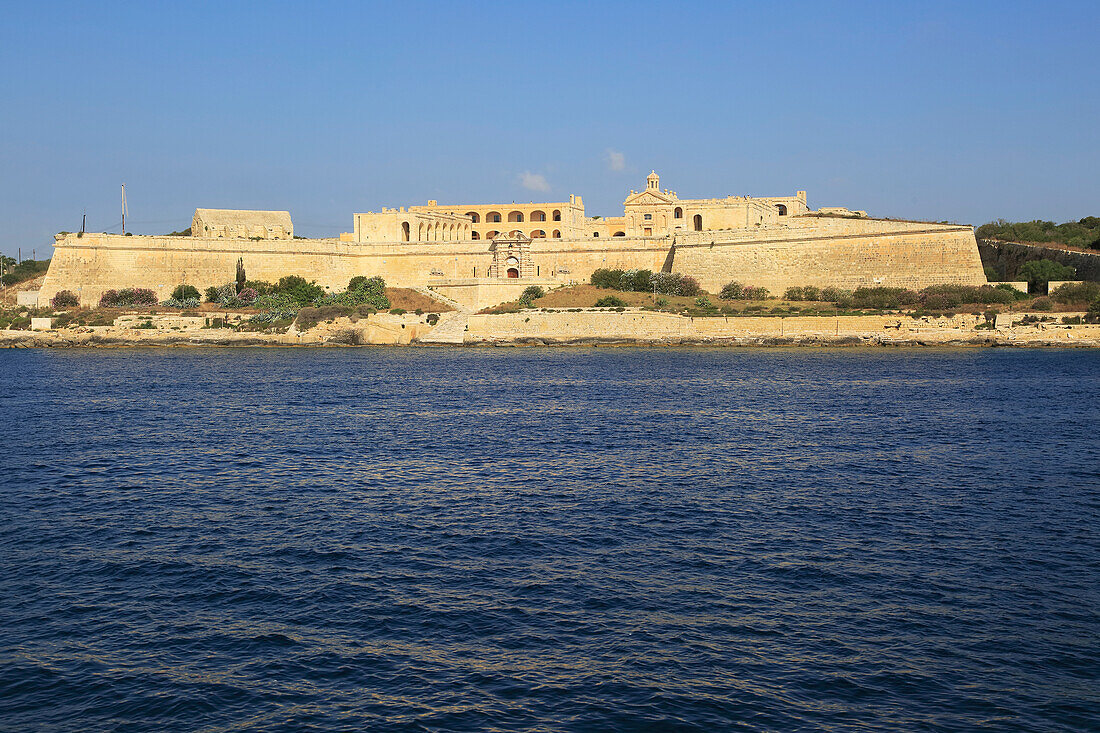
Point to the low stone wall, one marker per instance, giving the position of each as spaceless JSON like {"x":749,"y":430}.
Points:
{"x":653,"y":327}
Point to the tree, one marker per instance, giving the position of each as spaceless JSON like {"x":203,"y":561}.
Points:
{"x":240,"y":274}
{"x":1040,"y":272}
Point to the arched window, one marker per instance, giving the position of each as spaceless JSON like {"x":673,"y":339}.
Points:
{"x":557,"y":214}
{"x":697,"y":222}
{"x":782,"y":209}
{"x":473,"y":216}
{"x":538,"y":234}
{"x":404,"y":231}
{"x":475,"y":235}
{"x":493,"y":216}
{"x":595,"y":234}
{"x":513,"y":272}
{"x":538,"y":215}
{"x":677,"y":213}
{"x":515,"y":216}
{"x":619,"y":234}
{"x":557,"y":234}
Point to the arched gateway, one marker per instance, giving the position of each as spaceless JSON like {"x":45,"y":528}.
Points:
{"x":511,"y":256}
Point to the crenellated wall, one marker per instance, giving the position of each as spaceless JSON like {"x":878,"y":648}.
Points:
{"x":801,"y":251}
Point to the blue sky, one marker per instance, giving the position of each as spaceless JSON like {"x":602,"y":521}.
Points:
{"x":961,"y":111}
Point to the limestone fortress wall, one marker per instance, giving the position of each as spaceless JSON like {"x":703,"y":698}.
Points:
{"x":767,"y":248}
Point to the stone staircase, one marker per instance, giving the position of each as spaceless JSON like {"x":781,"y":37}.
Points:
{"x":442,"y":298}
{"x":451,"y":329}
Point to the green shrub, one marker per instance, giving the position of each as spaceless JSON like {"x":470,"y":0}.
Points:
{"x":363,"y":290}
{"x":433,"y":318}
{"x":732,"y":291}
{"x":1080,"y":292}
{"x":298,"y":289}
{"x":626,"y":280}
{"x":397,"y":311}
{"x":752,"y":292}
{"x":610,"y":301}
{"x":530,"y":295}
{"x":1043,"y":271}
{"x":806,"y":292}
{"x":211,"y":294}
{"x":186,"y":292}
{"x":262,"y":287}
{"x":1093,"y":314}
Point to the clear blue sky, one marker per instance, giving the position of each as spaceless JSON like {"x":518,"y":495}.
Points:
{"x":964,"y":111}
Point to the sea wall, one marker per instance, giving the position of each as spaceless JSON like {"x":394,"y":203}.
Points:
{"x":596,"y":326}
{"x":802,"y":251}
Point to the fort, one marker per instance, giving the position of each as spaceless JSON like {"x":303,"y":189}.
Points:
{"x":481,"y":254}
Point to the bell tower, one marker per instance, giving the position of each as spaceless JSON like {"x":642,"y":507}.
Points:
{"x":653,"y":182}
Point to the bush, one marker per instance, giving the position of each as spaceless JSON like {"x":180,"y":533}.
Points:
{"x":1082,"y":292}
{"x":247,"y":295}
{"x":298,"y":289}
{"x":185,"y":292}
{"x":755,"y":293}
{"x":65,"y":299}
{"x":211,"y":294}
{"x":367,"y":290}
{"x":1093,"y":314}
{"x":432,"y":319}
{"x":732,"y":291}
{"x":262,"y":287}
{"x":807,"y":292}
{"x":530,"y":295}
{"x":1042,"y":304}
{"x":673,"y":283}
{"x":176,"y":303}
{"x":625,"y":280}
{"x":610,"y":301}
{"x":1043,"y":271}
{"x":882,"y":297}
{"x":127,"y":298}
{"x":604,"y":278}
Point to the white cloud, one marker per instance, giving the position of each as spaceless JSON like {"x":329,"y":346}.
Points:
{"x":616,"y":161}
{"x":533,"y":181}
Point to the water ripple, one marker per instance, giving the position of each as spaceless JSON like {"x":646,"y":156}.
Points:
{"x":581,"y":539}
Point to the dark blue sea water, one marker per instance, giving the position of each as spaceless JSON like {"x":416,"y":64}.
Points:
{"x":549,"y":539}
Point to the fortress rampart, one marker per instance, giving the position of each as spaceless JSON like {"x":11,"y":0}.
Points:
{"x":845,"y":253}
{"x":771,"y":242}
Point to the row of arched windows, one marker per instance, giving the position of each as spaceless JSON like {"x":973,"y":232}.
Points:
{"x":494,"y":217}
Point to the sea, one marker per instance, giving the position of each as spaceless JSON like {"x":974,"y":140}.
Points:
{"x":549,"y":539}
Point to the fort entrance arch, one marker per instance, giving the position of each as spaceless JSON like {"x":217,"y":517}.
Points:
{"x":511,"y":256}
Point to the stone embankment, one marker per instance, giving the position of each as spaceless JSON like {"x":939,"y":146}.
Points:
{"x":581,"y":327}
